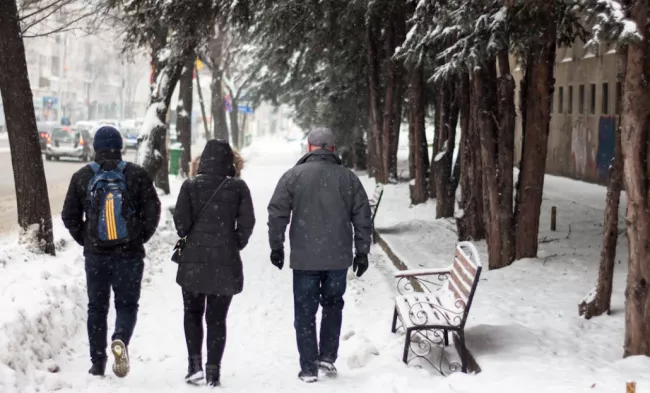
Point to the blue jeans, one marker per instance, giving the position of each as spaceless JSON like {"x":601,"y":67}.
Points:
{"x":309,"y":289}
{"x":125,"y":277}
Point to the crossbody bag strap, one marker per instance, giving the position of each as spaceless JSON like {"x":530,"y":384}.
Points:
{"x":205,"y":206}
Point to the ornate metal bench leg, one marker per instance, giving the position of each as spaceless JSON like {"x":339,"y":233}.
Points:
{"x":407,"y":344}
{"x":463,"y":351}
{"x":445,"y":334}
{"x":393,"y":328}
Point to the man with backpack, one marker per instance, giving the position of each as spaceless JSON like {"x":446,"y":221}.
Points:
{"x":111,"y":209}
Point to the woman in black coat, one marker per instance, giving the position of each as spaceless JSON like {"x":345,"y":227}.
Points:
{"x":210,"y":268}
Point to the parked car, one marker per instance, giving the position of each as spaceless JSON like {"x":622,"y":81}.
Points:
{"x":88,"y":125}
{"x":44,"y":131}
{"x":70,"y":143}
{"x":130,"y":135}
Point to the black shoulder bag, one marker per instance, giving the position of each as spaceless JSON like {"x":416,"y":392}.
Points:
{"x":180,"y":244}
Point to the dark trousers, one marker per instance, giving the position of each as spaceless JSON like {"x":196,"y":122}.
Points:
{"x":215,"y":309}
{"x":309,"y":289}
{"x":124,"y":276}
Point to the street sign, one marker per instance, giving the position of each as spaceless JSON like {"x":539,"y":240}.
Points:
{"x":245,"y":109}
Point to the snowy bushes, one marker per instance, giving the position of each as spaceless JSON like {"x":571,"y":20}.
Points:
{"x":43,"y":301}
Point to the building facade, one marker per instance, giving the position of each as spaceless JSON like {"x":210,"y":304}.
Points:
{"x":585,"y":109}
{"x":81,"y":76}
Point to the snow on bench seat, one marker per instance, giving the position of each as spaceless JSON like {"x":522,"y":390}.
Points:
{"x":433,"y":313}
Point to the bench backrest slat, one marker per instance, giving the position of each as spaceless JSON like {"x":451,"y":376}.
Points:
{"x":464,"y":275}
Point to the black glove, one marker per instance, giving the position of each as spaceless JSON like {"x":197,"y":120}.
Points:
{"x":360,"y":264}
{"x":277,"y":258}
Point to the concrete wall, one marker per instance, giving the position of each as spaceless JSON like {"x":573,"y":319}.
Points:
{"x":584,"y":115}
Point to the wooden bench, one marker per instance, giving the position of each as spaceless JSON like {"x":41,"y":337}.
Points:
{"x":434,"y":302}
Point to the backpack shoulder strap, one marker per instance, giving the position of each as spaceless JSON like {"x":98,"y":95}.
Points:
{"x":121,"y":166}
{"x":94,"y":166}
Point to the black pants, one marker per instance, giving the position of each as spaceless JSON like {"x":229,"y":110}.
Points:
{"x":215,"y":319}
{"x":125,"y":277}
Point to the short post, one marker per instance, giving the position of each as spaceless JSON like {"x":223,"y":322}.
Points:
{"x":630,"y":387}
{"x":553,"y":217}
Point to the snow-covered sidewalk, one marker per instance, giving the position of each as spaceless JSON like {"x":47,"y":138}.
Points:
{"x":524,"y":328}
{"x":524,"y":324}
{"x":261,"y":353}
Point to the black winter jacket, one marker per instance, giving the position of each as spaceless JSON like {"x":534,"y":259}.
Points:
{"x":142,"y":193}
{"x":324,"y":202}
{"x":210,"y":263}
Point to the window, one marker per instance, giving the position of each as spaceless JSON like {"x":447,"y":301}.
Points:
{"x":560,"y":100}
{"x":619,"y":97}
{"x":581,"y":99}
{"x":570,"y":110}
{"x":592,"y":99}
{"x":605,"y":102}
{"x":55,"y":66}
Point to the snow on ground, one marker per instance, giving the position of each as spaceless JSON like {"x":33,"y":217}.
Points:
{"x":524,"y":328}
{"x":524,"y":324}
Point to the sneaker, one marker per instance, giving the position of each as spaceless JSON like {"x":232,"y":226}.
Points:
{"x":98,"y":368}
{"x":328,"y":368}
{"x":307,"y":377}
{"x":194,"y":370}
{"x":121,"y":365}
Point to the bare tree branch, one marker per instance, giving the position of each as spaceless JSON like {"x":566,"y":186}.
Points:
{"x":56,"y":3}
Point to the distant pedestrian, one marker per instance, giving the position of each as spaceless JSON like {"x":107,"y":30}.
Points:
{"x":111,"y":209}
{"x":215,"y":213}
{"x":324,"y":202}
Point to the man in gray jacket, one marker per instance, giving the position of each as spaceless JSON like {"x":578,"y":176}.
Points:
{"x":324,"y":202}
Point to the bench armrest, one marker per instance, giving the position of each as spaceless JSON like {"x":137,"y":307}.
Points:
{"x":422,"y":272}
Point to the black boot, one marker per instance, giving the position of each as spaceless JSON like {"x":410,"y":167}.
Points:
{"x":212,"y":375}
{"x":194,"y":369}
{"x":98,"y":368}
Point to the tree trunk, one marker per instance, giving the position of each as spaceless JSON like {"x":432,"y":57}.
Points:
{"x":399,"y":30}
{"x":634,"y":139}
{"x":395,"y":127}
{"x":443,"y":161}
{"x":391,"y":92}
{"x":470,"y":222}
{"x":412,"y":137}
{"x":539,"y":90}
{"x":417,"y":101}
{"x":373,"y":34}
{"x":220,"y":123}
{"x":33,"y":204}
{"x":184,"y":113}
{"x":438,"y":115}
{"x":485,"y":89}
{"x":234,"y":122}
{"x":360,"y":158}
{"x":598,"y":301}
{"x":206,"y":129}
{"x":505,"y":157}
{"x":152,"y":139}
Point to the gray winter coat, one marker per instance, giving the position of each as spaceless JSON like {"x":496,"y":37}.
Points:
{"x":324,"y":201}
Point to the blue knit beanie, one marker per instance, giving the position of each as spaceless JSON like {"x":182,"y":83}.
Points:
{"x":107,"y":137}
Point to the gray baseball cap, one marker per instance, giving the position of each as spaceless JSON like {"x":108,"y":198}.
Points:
{"x":322,"y":137}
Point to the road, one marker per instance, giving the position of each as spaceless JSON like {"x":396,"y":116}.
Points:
{"x":57,"y":173}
